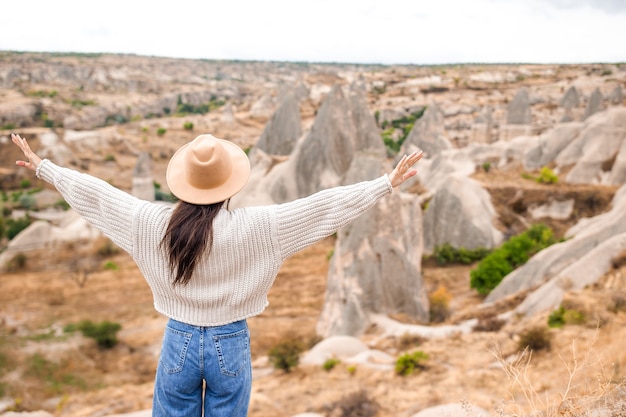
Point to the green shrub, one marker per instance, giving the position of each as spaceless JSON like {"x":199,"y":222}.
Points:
{"x":188,"y":126}
{"x":111,"y":266}
{"x":15,"y":226}
{"x":62,"y":204}
{"x":25,"y":183}
{"x":161,"y":131}
{"x":515,"y":252}
{"x":410,"y":362}
{"x":447,"y":254}
{"x":81,"y":103}
{"x":486,"y":166}
{"x":330,"y":364}
{"x":285,"y":355}
{"x":27,"y":201}
{"x":403,"y":125}
{"x":104,"y":333}
{"x":16,"y":195}
{"x":562,"y":316}
{"x":547,"y":176}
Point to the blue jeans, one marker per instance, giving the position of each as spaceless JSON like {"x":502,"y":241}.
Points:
{"x":203,"y":367}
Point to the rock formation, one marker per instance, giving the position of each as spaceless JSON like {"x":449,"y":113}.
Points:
{"x":461,"y":214}
{"x":592,"y":153}
{"x":143,"y":182}
{"x":342,"y":126}
{"x":518,"y":117}
{"x":428,"y":133}
{"x":283,"y":129}
{"x":376,"y":266}
{"x":595,"y":104}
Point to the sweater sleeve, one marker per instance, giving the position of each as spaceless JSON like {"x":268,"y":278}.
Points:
{"x":106,"y":207}
{"x":302,"y":222}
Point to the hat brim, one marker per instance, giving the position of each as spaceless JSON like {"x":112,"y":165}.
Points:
{"x":177,"y":184}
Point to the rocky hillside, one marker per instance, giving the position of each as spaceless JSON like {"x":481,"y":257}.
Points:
{"x":492,"y":125}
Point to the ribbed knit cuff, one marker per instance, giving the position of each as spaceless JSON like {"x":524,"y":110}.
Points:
{"x":38,"y":169}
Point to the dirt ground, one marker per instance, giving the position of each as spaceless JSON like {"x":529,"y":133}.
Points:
{"x":68,"y":375}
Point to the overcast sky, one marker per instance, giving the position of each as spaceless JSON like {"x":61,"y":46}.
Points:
{"x":357,"y":31}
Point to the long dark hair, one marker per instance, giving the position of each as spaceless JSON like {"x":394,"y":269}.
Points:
{"x":189,"y":234}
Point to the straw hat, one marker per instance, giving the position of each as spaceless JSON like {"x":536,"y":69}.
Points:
{"x":207,"y":170}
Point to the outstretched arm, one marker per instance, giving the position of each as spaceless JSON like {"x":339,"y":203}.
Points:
{"x":305,"y":221}
{"x":101,"y":204}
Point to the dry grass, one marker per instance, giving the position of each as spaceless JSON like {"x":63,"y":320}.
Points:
{"x":586,"y":387}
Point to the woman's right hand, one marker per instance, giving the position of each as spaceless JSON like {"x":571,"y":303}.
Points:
{"x":32,"y":159}
{"x":403,"y":171}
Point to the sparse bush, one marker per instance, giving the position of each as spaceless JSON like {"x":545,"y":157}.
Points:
{"x":107,"y":248}
{"x":535,"y":338}
{"x":52,"y":374}
{"x":109,"y":158}
{"x":408,"y":341}
{"x":618,"y":303}
{"x":285,"y":355}
{"x":330,"y":364}
{"x":619,"y":261}
{"x":439,"y":309}
{"x":25,"y":183}
{"x":188,"y":126}
{"x":512,"y":254}
{"x":489,"y":324}
{"x":104,"y":333}
{"x":161,"y":131}
{"x":351,"y":369}
{"x":411,"y":362}
{"x":357,"y":404}
{"x":17,"y":262}
{"x":562,"y":316}
{"x":486,"y":166}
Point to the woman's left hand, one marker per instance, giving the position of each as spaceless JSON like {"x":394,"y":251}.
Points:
{"x":33,"y":159}
{"x":403,"y":170}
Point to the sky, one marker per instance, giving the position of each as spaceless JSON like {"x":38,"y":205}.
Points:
{"x":350,"y":31}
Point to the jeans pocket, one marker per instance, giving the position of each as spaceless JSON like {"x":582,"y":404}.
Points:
{"x":233,"y":352}
{"x":174,"y":350}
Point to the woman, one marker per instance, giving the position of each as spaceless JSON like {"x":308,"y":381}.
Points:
{"x":209,"y":268}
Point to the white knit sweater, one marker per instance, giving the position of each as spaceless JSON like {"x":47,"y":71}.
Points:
{"x":250,"y":244}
